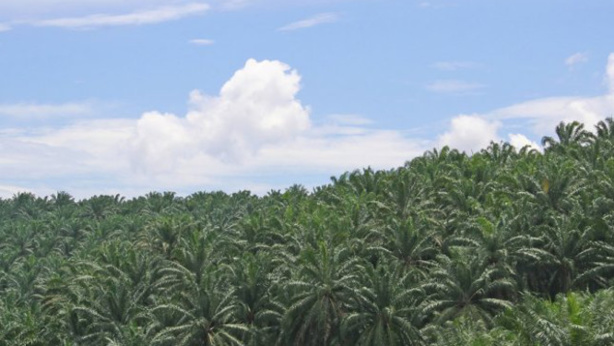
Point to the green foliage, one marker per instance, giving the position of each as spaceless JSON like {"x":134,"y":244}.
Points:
{"x":508,"y":246}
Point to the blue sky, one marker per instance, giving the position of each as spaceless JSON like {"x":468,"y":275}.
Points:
{"x":131,"y":96}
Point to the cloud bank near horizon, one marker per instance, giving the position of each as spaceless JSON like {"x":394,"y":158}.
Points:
{"x":539,"y":116}
{"x":255,"y":128}
{"x":254,"y":134}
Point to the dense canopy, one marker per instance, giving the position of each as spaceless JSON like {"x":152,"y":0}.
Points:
{"x":508,"y":246}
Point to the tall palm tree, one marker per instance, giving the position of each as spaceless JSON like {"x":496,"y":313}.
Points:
{"x":571,"y":137}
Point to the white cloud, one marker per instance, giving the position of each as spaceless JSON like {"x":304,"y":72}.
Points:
{"x":16,"y":10}
{"x":376,"y":148}
{"x":5,"y":27}
{"x":202,"y":42}
{"x":15,"y":4}
{"x":254,"y":132}
{"x":544,"y":114}
{"x":257,"y":106}
{"x":541,"y":116}
{"x":161,"y":140}
{"x":343,"y":125}
{"x":11,"y":10}
{"x":470,"y":133}
{"x":453,"y":86}
{"x":8,"y":191}
{"x":318,"y":19}
{"x":576,"y":58}
{"x":153,"y":16}
{"x":90,"y":153}
{"x":519,"y":141}
{"x":100,"y":140}
{"x":38,"y":111}
{"x":454,"y":65}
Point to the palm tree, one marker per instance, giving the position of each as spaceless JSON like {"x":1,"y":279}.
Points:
{"x":165,"y":233}
{"x":568,"y":133}
{"x":320,"y":296}
{"x":405,"y":195}
{"x":385,"y":312}
{"x":571,"y":319}
{"x":467,"y":286}
{"x":105,"y":304}
{"x":498,"y":244}
{"x":199,"y":313}
{"x":413,"y":247}
{"x":100,"y":207}
{"x":499,"y":153}
{"x":251,"y":277}
{"x":563,"y":259}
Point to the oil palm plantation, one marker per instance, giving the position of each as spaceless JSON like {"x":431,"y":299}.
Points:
{"x":506,"y":246}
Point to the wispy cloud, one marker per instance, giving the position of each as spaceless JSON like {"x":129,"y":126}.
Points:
{"x":453,"y":86}
{"x":349,"y":119}
{"x":202,"y":42}
{"x":153,"y":16}
{"x":540,"y":116}
{"x":4,"y":27}
{"x":454,"y":65}
{"x":40,"y":111}
{"x":577,"y":58}
{"x":318,"y":19}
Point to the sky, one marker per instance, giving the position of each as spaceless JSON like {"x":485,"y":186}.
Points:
{"x":132,"y":96}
